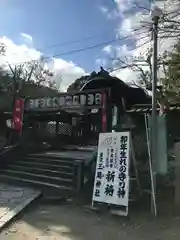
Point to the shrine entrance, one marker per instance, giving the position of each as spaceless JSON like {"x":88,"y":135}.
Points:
{"x":69,"y":118}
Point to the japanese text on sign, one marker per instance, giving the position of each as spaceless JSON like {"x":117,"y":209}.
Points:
{"x":65,"y":101}
{"x":112,"y":170}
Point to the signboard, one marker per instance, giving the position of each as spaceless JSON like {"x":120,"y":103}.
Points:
{"x":65,"y":101}
{"x":112,"y":170}
{"x":17,"y":119}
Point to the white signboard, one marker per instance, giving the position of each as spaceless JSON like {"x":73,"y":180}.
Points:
{"x":111,"y":183}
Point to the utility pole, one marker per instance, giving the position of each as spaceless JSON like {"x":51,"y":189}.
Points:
{"x":155,"y":14}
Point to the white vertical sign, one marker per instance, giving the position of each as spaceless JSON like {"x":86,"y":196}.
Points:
{"x":111,"y":183}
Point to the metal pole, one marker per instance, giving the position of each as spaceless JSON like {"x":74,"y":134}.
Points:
{"x":154,"y":105}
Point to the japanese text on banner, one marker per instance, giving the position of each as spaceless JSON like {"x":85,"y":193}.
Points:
{"x":111,"y":180}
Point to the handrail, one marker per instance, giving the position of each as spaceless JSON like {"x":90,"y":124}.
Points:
{"x":10,"y":154}
{"x":8,"y":149}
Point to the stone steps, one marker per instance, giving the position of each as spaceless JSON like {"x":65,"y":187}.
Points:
{"x":56,"y":170}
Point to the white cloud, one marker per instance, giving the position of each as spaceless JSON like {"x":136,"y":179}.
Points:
{"x":142,"y":38}
{"x":108,"y":13}
{"x":17,"y":53}
{"x":27,"y":37}
{"x":108,"y":49}
{"x":104,"y":9}
{"x":101,"y":62}
{"x":65,"y":70}
{"x":143,"y":21}
{"x":123,"y":5}
{"x":125,"y":26}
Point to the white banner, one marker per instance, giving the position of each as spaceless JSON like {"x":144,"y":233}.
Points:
{"x":111,"y":183}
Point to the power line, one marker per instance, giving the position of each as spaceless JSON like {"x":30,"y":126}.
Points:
{"x":72,"y":42}
{"x":86,"y":48}
{"x":89,"y":47}
{"x":92,"y":47}
{"x":176,"y":12}
{"x":66,"y":43}
{"x":141,"y":7}
{"x":79,"y":40}
{"x":130,"y":65}
{"x":59,"y":44}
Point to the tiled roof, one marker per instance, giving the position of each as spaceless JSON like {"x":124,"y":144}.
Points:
{"x":147,"y":109}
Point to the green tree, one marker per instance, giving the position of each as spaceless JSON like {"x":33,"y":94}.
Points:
{"x":28,"y":79}
{"x":35,"y":72}
{"x":171,"y":79}
{"x":78,"y":83}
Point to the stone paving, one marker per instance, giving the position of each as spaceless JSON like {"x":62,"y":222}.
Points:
{"x":13,"y":200}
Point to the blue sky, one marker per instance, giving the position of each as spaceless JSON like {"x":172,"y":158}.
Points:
{"x":60,"y":22}
{"x":52,"y":22}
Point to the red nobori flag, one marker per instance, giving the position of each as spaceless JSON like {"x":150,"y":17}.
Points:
{"x":18,"y":111}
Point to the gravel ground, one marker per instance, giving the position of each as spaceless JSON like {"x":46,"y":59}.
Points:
{"x":71,"y":222}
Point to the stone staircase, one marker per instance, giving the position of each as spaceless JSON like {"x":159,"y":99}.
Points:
{"x":49,"y":170}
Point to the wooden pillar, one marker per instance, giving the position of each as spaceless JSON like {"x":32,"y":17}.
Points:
{"x":109,"y":111}
{"x":104,"y":112}
{"x":177,"y":175}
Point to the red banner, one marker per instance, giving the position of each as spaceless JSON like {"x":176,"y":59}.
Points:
{"x":17,"y":119}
